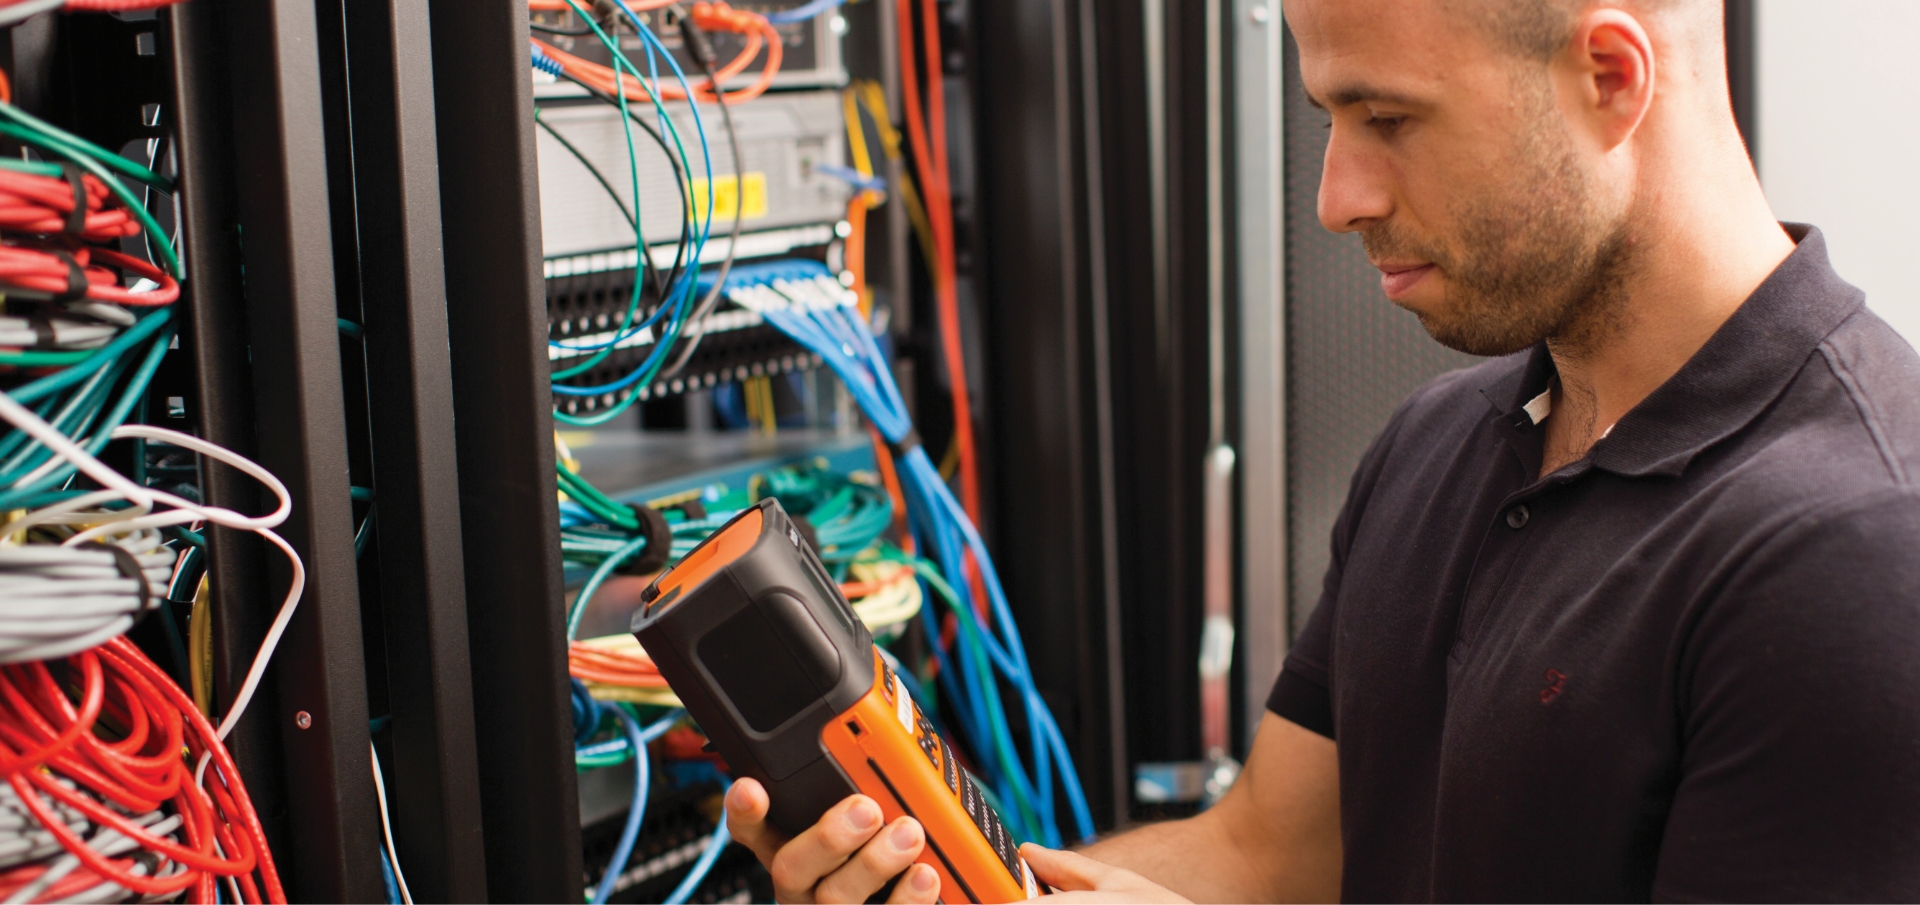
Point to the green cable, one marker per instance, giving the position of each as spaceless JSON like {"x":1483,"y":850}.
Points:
{"x":54,"y":134}
{"x":32,"y":167}
{"x":68,"y":420}
{"x":135,"y":391}
{"x":633,"y":168}
{"x":997,"y":717}
{"x":36,"y":358}
{"x":598,"y":577}
{"x":672,"y":333}
{"x":113,"y":183}
{"x":595,"y":501}
{"x":100,"y":358}
{"x":13,"y":439}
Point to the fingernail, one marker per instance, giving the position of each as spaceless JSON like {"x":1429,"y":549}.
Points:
{"x":863,"y":816}
{"x":905,"y":835}
{"x":923,"y":878}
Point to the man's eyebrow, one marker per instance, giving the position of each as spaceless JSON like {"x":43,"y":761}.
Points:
{"x":1360,"y":93}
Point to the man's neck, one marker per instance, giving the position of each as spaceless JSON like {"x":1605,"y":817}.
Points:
{"x":1705,"y":251}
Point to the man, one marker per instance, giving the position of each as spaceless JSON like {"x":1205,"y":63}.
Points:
{"x":1630,"y":612}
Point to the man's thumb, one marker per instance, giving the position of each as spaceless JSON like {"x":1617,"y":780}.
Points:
{"x":1064,"y":871}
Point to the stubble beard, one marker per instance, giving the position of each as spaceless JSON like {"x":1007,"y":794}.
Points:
{"x":1533,"y":259}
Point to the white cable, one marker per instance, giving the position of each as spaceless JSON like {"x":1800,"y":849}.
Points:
{"x":117,"y":486}
{"x":386,"y":827}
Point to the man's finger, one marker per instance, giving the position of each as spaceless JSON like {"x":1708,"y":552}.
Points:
{"x":747,"y":806}
{"x":812,"y":855}
{"x":1065,"y":871}
{"x":921,"y":886}
{"x":883,"y":857}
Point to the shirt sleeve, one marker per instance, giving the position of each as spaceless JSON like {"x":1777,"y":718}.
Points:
{"x":1303,"y":694}
{"x":1800,"y":772}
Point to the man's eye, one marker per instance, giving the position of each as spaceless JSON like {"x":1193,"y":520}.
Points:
{"x":1385,"y":123}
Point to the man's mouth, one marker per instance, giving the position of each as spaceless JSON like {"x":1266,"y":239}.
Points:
{"x":1398,"y":279}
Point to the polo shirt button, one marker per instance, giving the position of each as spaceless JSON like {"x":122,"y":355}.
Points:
{"x":1517,"y":517}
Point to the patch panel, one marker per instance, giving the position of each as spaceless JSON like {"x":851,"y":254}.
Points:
{"x":785,"y":141}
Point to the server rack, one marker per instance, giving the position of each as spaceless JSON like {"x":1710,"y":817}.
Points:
{"x":329,"y":154}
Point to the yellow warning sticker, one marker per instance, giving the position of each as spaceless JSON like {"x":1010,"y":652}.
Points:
{"x":727,"y":196}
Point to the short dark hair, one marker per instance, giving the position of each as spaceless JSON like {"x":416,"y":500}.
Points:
{"x":1540,"y":29}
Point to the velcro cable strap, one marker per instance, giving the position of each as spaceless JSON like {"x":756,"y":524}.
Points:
{"x":693,"y":509}
{"x":76,"y":218}
{"x":77,"y":285}
{"x":659,"y":535}
{"x":43,"y":335}
{"x":130,"y":567}
{"x":906,"y":444}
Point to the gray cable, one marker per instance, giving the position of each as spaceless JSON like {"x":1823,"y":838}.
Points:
{"x":21,"y":12}
{"x":63,"y":600}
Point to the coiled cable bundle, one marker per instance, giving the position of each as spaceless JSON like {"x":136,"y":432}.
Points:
{"x":63,"y":600}
{"x":100,"y":747}
{"x":112,"y":763}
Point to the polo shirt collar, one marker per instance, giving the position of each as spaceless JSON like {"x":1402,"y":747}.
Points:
{"x":1743,"y":367}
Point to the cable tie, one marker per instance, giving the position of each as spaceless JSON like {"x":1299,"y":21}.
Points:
{"x":77,"y":285}
{"x":659,"y":535}
{"x":76,"y":218}
{"x":904,"y":445}
{"x":42,"y":327}
{"x":693,"y":509}
{"x":130,"y":568}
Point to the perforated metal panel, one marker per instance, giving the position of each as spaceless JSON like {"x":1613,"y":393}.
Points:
{"x":1352,"y":356}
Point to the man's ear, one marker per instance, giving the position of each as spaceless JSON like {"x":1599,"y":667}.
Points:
{"x":1613,"y":59}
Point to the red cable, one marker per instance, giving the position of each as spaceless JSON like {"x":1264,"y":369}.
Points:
{"x":930,"y":164}
{"x":712,"y":17}
{"x":115,"y":6}
{"x":140,"y":764}
{"x":41,"y":204}
{"x":40,"y":270}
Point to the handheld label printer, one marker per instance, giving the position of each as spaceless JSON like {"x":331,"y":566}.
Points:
{"x":764,"y":651}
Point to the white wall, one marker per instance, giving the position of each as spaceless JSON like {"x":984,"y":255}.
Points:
{"x":1839,"y":143}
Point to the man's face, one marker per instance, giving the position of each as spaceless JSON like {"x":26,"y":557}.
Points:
{"x":1451,"y":157}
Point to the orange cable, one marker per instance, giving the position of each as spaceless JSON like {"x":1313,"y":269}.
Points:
{"x":931,"y":163}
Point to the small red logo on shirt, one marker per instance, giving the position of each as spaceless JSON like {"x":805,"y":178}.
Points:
{"x":1556,"y":682}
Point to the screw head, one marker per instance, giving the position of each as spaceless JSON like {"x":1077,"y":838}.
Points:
{"x":303,"y":719}
{"x":1259,"y":14}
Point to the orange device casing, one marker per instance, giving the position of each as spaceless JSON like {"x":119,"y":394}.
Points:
{"x":767,"y":655}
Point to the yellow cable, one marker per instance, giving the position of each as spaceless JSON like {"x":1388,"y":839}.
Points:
{"x":950,"y":462}
{"x":856,"y":134}
{"x":200,"y":648}
{"x":875,"y":100}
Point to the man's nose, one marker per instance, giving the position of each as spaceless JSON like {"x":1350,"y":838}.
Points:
{"x":1353,"y":187}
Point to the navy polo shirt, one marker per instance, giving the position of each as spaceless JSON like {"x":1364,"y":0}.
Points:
{"x":1684,"y":667}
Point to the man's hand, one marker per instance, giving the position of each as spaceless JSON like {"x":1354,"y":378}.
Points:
{"x":1082,"y":879}
{"x":846,"y":857}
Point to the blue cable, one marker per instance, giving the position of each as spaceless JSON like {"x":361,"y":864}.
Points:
{"x":637,"y":812}
{"x":802,"y":12}
{"x":681,"y":294}
{"x":586,"y":715}
{"x":716,"y":843}
{"x":841,"y":339}
{"x":387,"y":878}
